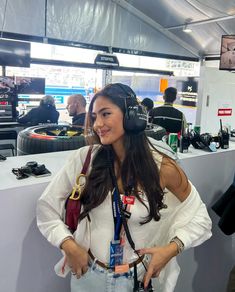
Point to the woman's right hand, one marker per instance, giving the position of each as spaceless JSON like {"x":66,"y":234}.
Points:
{"x":76,"y":256}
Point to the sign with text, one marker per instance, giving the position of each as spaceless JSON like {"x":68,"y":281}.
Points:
{"x":107,"y":60}
{"x":224,"y":112}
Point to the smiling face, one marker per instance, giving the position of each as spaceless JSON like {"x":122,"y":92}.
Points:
{"x":108,"y":122}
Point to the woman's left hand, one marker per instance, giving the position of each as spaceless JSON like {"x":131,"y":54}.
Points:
{"x":160,"y":256}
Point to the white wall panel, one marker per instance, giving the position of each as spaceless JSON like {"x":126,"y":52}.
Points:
{"x":82,"y":21}
{"x":102,"y":22}
{"x":23,"y":16}
{"x":216,"y":91}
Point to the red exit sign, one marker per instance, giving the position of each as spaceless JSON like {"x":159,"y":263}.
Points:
{"x":224,"y":112}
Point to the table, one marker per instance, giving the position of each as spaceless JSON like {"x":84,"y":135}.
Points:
{"x":10,"y":124}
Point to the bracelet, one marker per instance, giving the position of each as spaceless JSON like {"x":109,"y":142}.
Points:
{"x":179,"y":243}
{"x":65,"y":239}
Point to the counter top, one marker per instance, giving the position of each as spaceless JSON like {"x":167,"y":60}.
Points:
{"x":192,"y":152}
{"x":55,"y":160}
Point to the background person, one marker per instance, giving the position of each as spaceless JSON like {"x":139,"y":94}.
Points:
{"x":167,"y":116}
{"x":45,"y":113}
{"x":123,"y":161}
{"x":76,"y":106}
{"x":148,"y":104}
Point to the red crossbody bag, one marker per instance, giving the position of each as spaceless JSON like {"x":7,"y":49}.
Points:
{"x":73,"y":203}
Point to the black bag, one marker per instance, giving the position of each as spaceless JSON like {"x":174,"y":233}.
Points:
{"x":225,"y":208}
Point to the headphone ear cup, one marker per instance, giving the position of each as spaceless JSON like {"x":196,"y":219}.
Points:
{"x":206,"y":139}
{"x":135,"y":119}
{"x":196,"y":140}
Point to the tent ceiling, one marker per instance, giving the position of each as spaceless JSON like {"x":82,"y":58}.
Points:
{"x":154,"y":26}
{"x":209,"y":20}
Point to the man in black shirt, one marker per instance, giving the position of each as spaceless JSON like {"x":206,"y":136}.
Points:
{"x":45,"y":113}
{"x":76,"y":106}
{"x":167,"y":116}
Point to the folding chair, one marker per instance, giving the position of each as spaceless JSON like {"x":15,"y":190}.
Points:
{"x":9,"y":135}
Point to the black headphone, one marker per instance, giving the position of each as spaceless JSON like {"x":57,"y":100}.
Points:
{"x":135,"y":118}
{"x":206,"y":139}
{"x":200,"y":141}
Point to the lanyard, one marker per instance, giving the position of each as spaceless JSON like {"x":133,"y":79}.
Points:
{"x":117,"y":215}
{"x":117,"y":218}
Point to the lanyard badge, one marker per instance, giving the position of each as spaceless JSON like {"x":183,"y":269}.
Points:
{"x":116,"y":253}
{"x":116,"y":245}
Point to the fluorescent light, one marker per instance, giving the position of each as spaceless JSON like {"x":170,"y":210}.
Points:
{"x":186,"y":29}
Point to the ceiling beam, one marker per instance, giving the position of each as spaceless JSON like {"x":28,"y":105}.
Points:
{"x":156,"y":25}
{"x":200,"y":22}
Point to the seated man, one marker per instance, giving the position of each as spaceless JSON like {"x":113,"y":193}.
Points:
{"x":76,"y":106}
{"x":166,"y":116}
{"x":45,"y":113}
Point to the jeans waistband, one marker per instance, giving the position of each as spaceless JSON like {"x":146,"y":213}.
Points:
{"x":94,"y":266}
{"x":105,"y":266}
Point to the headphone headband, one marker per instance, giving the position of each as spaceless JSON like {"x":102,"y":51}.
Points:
{"x":128,"y":92}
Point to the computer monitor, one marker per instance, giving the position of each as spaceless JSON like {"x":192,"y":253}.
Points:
{"x":14,"y":53}
{"x":227,"y":53}
{"x":30,"y":85}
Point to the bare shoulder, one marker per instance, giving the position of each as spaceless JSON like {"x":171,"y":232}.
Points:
{"x":174,"y":179}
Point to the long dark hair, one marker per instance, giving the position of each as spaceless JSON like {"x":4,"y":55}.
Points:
{"x":138,"y":170}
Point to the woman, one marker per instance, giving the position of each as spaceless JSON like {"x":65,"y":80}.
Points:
{"x":161,"y":208}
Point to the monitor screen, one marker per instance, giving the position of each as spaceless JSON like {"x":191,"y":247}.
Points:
{"x":30,"y":85}
{"x":6,"y":85}
{"x":187,"y":91}
{"x":190,"y":85}
{"x":227,"y":53}
{"x":14,"y":53}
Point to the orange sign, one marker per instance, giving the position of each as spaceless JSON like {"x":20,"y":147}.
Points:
{"x":163,"y":85}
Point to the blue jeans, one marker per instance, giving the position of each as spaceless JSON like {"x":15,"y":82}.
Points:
{"x":98,"y":279}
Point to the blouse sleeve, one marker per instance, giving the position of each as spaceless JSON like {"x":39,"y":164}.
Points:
{"x":50,"y":206}
{"x":191,"y":222}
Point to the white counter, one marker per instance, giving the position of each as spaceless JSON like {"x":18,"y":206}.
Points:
{"x":206,"y":268}
{"x":28,"y":259}
{"x":192,"y":152}
{"x":53,"y":162}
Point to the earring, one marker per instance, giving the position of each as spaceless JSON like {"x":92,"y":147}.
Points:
{"x":90,"y":132}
